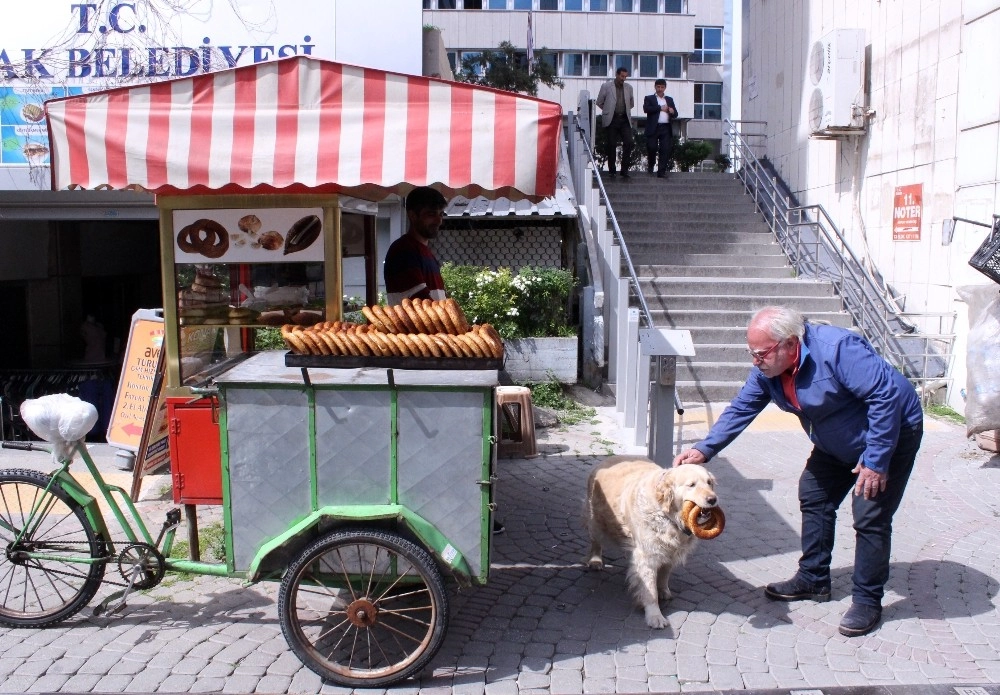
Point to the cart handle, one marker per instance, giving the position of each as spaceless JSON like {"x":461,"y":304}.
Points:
{"x":205,"y":390}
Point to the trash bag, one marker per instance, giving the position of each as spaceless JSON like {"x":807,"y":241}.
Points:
{"x":982,"y":404}
{"x":60,"y":419}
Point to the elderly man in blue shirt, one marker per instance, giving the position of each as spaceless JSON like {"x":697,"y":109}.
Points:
{"x":865,"y":422}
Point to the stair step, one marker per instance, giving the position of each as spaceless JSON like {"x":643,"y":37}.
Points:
{"x":682,"y":318}
{"x":694,"y":258}
{"x":714,"y":371}
{"x":679,"y":288}
{"x":764,"y":248}
{"x":645,"y":272}
{"x":703,"y":391}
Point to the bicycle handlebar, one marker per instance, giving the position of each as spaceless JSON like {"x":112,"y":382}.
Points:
{"x":23,"y":446}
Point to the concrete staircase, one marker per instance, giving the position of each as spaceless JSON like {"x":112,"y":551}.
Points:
{"x":706,"y":261}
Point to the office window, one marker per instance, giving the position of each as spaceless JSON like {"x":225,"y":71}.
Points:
{"x":623,"y":5}
{"x":446,"y":4}
{"x":707,"y":45}
{"x":522,"y":4}
{"x":649,"y":66}
{"x":478,"y":67}
{"x":573,"y":5}
{"x":453,"y":61}
{"x":708,"y":100}
{"x":473,"y":4}
{"x":649,"y":5}
{"x":598,"y":5}
{"x":623,"y":61}
{"x":572,"y":64}
{"x":498,"y":4}
{"x":598,"y":65}
{"x":548,"y":4}
{"x":427,"y":5}
{"x":673,"y":6}
{"x":673,"y":67}
{"x":548,"y":59}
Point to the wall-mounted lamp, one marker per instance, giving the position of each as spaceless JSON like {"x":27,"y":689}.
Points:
{"x":948,"y":227}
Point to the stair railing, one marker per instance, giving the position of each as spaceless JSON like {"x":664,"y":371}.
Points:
{"x":624,"y":308}
{"x":817,"y":249}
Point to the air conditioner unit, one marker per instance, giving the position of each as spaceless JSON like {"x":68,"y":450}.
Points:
{"x":836,"y":81}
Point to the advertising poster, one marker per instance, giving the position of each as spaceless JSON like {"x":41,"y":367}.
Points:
{"x":907,"y":209}
{"x":24,"y":138}
{"x":136,"y":385}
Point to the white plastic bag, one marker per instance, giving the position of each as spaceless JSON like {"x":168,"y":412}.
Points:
{"x":982,"y":404}
{"x":60,"y":419}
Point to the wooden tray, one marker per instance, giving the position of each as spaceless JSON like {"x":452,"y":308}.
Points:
{"x":353,"y":362}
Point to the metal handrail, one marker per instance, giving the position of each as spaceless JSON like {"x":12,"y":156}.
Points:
{"x":633,"y":279}
{"x":827,"y":255}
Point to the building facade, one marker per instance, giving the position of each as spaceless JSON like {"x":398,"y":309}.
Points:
{"x":687,"y":43}
{"x":927,"y":122}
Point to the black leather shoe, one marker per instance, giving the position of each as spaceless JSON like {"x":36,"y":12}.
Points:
{"x":796,"y":589}
{"x":860,"y":619}
{"x":625,"y":175}
{"x":611,"y":174}
{"x":661,"y":176}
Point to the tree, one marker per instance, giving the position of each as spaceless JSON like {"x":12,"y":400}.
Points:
{"x":506,"y":68}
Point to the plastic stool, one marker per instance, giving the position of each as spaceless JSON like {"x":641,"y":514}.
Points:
{"x":517,"y":423}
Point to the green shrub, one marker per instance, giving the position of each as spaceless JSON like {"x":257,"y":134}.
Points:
{"x":531,"y":303}
{"x":690,"y":153}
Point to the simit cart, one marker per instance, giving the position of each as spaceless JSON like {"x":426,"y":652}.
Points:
{"x":358,"y":483}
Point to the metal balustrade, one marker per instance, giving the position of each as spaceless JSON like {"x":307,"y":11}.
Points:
{"x":918,"y":344}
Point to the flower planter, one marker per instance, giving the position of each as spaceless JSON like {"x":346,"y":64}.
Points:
{"x":540,"y":359}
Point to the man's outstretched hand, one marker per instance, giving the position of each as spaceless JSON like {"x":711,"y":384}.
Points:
{"x":689,"y":456}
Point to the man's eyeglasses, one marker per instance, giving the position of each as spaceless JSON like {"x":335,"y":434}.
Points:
{"x":761,"y":355}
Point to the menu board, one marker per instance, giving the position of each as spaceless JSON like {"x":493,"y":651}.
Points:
{"x":24,"y":139}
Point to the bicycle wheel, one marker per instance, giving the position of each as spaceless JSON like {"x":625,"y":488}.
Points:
{"x":363,"y":608}
{"x":40,"y":591}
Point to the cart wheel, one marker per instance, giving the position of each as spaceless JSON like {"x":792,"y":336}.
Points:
{"x":36,"y":591}
{"x":363,"y":608}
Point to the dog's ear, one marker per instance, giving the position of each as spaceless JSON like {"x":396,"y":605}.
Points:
{"x":665,"y":489}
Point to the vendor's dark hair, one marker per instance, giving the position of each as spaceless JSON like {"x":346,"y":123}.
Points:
{"x":425,"y":197}
{"x":659,"y":82}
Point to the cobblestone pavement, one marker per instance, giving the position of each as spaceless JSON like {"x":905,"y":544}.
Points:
{"x":545,"y":624}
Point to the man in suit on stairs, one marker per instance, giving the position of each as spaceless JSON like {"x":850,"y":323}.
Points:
{"x":616,"y":101}
{"x":660,"y":110}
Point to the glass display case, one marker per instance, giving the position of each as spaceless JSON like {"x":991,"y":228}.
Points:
{"x":240,"y":267}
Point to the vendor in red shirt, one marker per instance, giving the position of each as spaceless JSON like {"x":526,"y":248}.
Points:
{"x":411,"y":269}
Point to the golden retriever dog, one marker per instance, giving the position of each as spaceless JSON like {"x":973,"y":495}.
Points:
{"x":635,"y":504}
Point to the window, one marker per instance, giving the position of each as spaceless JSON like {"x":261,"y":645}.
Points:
{"x":598,"y":5}
{"x":623,"y":5}
{"x":573,"y":64}
{"x":623,"y":61}
{"x":498,"y":4}
{"x":598,"y":65}
{"x":673,"y":6}
{"x":673,"y":67}
{"x":473,"y":4}
{"x":477,"y":69}
{"x":453,"y":61}
{"x":522,"y":4}
{"x":548,"y":4}
{"x":547,"y":59}
{"x":708,"y":100}
{"x":648,"y":5}
{"x":648,"y":66}
{"x":446,"y":4}
{"x":707,"y":45}
{"x":573,"y":5}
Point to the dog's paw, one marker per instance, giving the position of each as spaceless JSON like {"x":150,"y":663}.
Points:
{"x":654,"y":618}
{"x":665,"y":593}
{"x":595,"y":563}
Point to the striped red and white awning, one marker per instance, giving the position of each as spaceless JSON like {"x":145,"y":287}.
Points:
{"x":302,"y":124}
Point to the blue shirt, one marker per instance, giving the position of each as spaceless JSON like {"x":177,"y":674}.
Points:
{"x":853,"y":402}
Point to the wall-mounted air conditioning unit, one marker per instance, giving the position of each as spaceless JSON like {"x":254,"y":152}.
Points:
{"x":835,"y":88}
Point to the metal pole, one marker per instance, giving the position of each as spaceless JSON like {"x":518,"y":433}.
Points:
{"x":661,"y":438}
